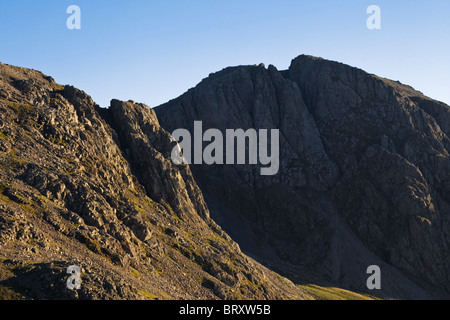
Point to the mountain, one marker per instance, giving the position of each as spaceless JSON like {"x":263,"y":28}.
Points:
{"x":96,"y":188}
{"x":364,"y":176}
{"x":363,"y":179}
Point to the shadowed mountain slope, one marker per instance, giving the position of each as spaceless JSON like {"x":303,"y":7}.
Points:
{"x":364,"y":174}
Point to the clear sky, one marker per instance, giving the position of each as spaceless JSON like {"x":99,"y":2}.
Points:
{"x":152,"y":51}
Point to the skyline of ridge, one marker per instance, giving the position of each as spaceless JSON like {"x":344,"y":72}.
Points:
{"x":153,"y":52}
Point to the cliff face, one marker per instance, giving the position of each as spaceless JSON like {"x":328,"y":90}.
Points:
{"x":81,"y":185}
{"x":364,"y":173}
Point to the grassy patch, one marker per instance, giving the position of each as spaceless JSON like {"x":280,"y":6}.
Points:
{"x":332,"y":293}
{"x":150,"y":202}
{"x":59,"y":87}
{"x":68,"y":173}
{"x":148,"y":295}
{"x":22,"y":110}
{"x":57,"y":141}
{"x":135,"y":273}
{"x":27,"y":208}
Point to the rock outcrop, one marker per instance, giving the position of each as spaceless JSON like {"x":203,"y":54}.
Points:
{"x":364,"y":174}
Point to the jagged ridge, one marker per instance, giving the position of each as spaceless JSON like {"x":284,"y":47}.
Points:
{"x":93,"y":187}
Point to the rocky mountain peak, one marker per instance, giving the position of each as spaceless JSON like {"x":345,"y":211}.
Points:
{"x":364,"y":171}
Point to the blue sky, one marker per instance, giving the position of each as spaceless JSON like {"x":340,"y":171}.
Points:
{"x":153,"y":51}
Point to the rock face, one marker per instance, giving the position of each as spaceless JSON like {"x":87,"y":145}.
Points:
{"x":92,"y":187}
{"x":364,"y":174}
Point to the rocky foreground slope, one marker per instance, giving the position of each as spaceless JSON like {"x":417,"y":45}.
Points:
{"x":92,"y":187}
{"x":364,"y":174}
